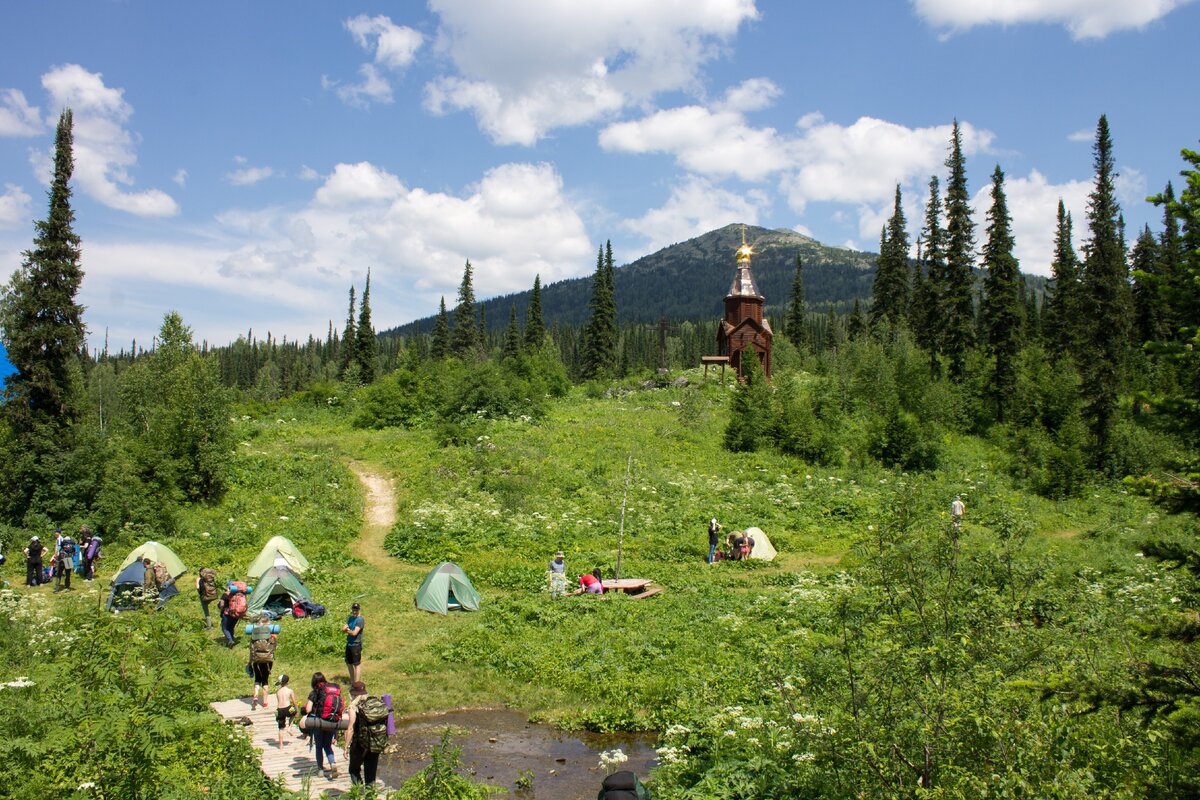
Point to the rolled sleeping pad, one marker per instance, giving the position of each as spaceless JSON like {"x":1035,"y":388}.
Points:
{"x":391,"y":720}
{"x":314,"y":723}
{"x":250,"y":627}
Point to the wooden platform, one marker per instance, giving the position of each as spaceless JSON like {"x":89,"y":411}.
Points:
{"x":295,"y":762}
{"x":636,"y":588}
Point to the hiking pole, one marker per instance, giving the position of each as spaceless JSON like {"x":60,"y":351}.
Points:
{"x":621,"y":530}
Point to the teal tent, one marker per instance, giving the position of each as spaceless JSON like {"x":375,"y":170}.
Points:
{"x":278,"y":589}
{"x":447,"y":587}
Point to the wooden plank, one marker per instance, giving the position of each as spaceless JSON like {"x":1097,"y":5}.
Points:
{"x":653,"y":590}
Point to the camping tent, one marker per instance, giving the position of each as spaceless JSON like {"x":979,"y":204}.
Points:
{"x":280,"y":547}
{"x":446,"y":587}
{"x":278,"y":589}
{"x":127,"y":588}
{"x":762,"y":545}
{"x":156,"y":552}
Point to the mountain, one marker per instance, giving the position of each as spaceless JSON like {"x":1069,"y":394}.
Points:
{"x":689,"y":280}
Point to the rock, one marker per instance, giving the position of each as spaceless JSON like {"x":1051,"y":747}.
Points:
{"x":680,"y":382}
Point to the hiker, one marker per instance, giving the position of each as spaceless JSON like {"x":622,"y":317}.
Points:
{"x":590,"y":584}
{"x":156,"y":580}
{"x":319,"y":700}
{"x":957,"y":509}
{"x":714,"y":529}
{"x":91,"y":554}
{"x":354,"y":631}
{"x":64,"y":557}
{"x":85,"y":539}
{"x":232,"y":605}
{"x":738,"y":546}
{"x":367,"y":736}
{"x":557,"y":576}
{"x":206,"y":589}
{"x":263,"y":637}
{"x":33,"y":561}
{"x":285,"y":707}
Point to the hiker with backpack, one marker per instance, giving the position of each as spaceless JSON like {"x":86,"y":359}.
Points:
{"x":206,"y":588}
{"x":325,"y":703}
{"x":367,"y":736}
{"x":156,"y":581}
{"x":64,"y":558}
{"x":91,"y":553}
{"x":33,"y":561}
{"x":232,"y":605}
{"x":263,"y":637}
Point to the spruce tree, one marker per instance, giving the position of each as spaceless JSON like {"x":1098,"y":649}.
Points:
{"x":41,"y":322}
{"x":512,"y":336}
{"x":535,"y":327}
{"x":926,"y":318}
{"x":890,"y":292}
{"x":1105,"y":312}
{"x":795,"y":327}
{"x":464,"y":338}
{"x":366,"y":346}
{"x":349,"y":340}
{"x":600,"y":334}
{"x":1171,"y":256}
{"x":856,"y":326}
{"x":1062,"y":304}
{"x":1149,"y":297}
{"x":1003,"y":299}
{"x":439,"y":346}
{"x":749,"y":408}
{"x":956,"y":305}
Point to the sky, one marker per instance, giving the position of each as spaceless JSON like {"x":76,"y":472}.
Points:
{"x":245,"y":164}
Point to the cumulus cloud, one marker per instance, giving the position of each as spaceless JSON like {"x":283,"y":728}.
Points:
{"x":14,"y":207}
{"x":695,"y":206}
{"x":393,"y":47}
{"x":751,"y":95}
{"x":105,"y":150}
{"x":1033,"y":206}
{"x":17,"y":117}
{"x":528,"y":66}
{"x":1085,"y":19}
{"x":248,"y":176}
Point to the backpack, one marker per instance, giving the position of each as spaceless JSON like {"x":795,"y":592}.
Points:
{"x":208,"y":584}
{"x":329,"y":703}
{"x":370,"y":723}
{"x":237,"y":606}
{"x":298,"y":611}
{"x":162,"y":576}
{"x":262,"y":651}
{"x":313,"y":610}
{"x":623,"y":785}
{"x":67,"y":548}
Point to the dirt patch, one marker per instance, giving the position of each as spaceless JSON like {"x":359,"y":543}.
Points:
{"x":498,"y":745}
{"x":379,"y":516}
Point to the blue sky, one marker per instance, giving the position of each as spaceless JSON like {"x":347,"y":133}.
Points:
{"x":245,"y":163}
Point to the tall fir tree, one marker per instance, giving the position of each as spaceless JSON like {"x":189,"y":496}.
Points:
{"x":535,"y":326}
{"x":41,"y":321}
{"x":928,"y":288}
{"x":464,"y":337}
{"x":891,"y":290}
{"x":1062,"y":304}
{"x":1149,"y":297}
{"x":1003,"y":301}
{"x":795,"y":325}
{"x":347,"y":357}
{"x":1171,"y":256}
{"x":1104,"y":294}
{"x":439,"y":345}
{"x":856,"y":326}
{"x":366,"y":346}
{"x":512,"y":337}
{"x":599,"y":357}
{"x":956,"y":302}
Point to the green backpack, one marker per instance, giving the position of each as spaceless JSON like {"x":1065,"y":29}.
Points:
{"x":370,"y":723}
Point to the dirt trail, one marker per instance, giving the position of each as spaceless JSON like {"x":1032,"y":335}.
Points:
{"x":378,"y":517}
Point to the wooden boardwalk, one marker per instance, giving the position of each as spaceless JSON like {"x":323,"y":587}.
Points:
{"x":295,"y":762}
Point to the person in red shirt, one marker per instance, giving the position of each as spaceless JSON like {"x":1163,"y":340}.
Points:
{"x":591,"y":584}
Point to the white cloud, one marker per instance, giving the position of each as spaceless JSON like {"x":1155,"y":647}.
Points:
{"x":307,"y":173}
{"x":14,"y":207}
{"x":17,"y":117}
{"x":393,"y":47}
{"x":754,"y":94}
{"x":695,"y":206}
{"x":1082,"y":135}
{"x":526,"y":67}
{"x":1085,"y":19}
{"x":1033,"y":206}
{"x":248,"y":176}
{"x":104,"y":148}
{"x":181,"y":176}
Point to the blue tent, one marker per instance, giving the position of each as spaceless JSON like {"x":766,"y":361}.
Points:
{"x":127,"y":589}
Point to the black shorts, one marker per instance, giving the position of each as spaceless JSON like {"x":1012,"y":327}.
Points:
{"x":283,"y":715}
{"x":262,"y":673}
{"x":354,"y":654}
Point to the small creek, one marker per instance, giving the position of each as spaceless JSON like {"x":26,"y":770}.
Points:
{"x":498,"y":744}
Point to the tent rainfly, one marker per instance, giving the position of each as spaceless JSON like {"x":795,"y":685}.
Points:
{"x":127,"y":588}
{"x":157,"y":552}
{"x":762,"y":545}
{"x":447,"y":587}
{"x":279,"y":551}
{"x":277,"y":589}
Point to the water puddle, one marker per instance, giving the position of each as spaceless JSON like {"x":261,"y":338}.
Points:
{"x":500,"y":744}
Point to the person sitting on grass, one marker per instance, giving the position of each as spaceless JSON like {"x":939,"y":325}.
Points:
{"x":590,"y":584}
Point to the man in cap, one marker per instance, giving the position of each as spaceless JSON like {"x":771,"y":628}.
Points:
{"x":354,"y":631}
{"x":558,"y":576}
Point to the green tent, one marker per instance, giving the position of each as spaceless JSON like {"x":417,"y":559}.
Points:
{"x":156,"y":552}
{"x":446,"y":587}
{"x":277,"y":589}
{"x":278,"y":552}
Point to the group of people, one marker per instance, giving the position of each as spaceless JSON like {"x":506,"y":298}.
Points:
{"x":738,"y":544}
{"x":323,"y":714}
{"x":589,"y":582}
{"x":68,"y":557}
